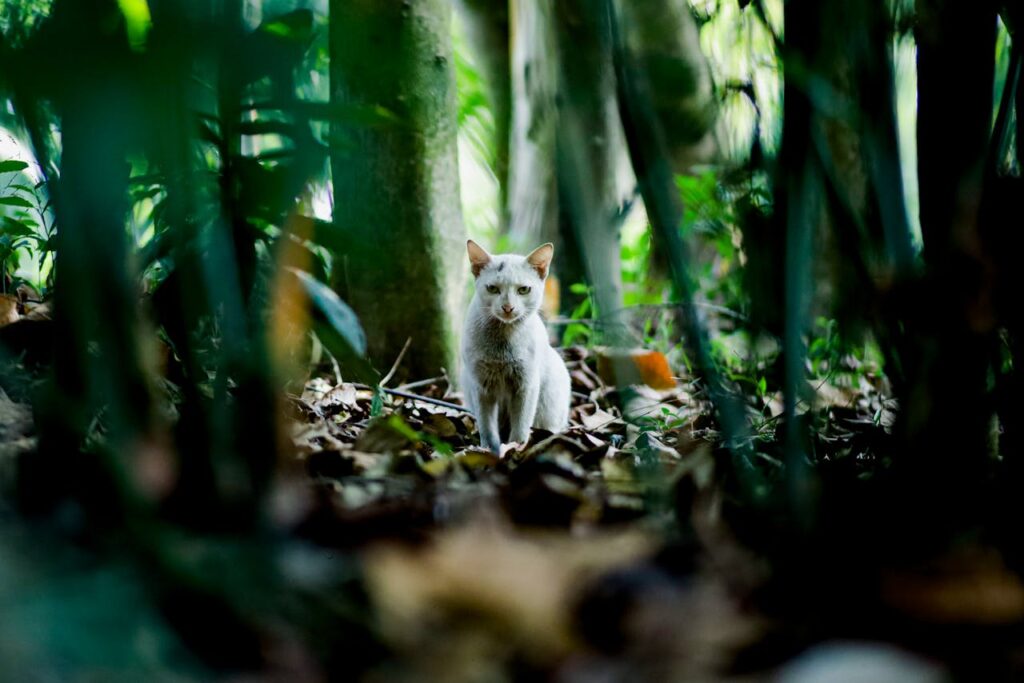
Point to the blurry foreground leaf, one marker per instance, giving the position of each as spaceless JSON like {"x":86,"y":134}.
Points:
{"x":137,"y":21}
{"x":341,"y":318}
{"x":972,"y":586}
{"x":8,"y":309}
{"x":12,"y":165}
{"x":296,"y":26}
{"x":511,"y":588}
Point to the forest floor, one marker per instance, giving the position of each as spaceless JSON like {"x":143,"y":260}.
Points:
{"x":610,"y":552}
{"x":619,"y":550}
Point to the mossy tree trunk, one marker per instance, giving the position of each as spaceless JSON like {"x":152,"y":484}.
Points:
{"x":533,"y":194}
{"x":568,"y":175}
{"x":400,"y":261}
{"x":593,"y":166}
{"x":955,"y":328}
{"x":664,"y":40}
{"x":535,"y":213}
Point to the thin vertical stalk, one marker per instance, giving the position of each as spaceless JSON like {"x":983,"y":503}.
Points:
{"x":647,"y":150}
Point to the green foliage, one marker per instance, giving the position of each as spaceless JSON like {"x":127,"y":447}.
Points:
{"x":478,"y":136}
{"x":579,"y":331}
{"x":224,"y":158}
{"x":475,"y":118}
{"x":26,"y":229}
{"x":19,"y":19}
{"x":848,"y":393}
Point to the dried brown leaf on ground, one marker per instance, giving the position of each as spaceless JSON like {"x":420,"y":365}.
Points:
{"x":9,"y":309}
{"x":16,"y":437}
{"x":514,"y":587}
{"x":970,"y":586}
{"x":477,"y":599}
{"x":622,"y":367}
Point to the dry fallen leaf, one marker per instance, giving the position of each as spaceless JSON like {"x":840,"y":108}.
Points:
{"x":972,"y":586}
{"x":512,"y":586}
{"x":8,"y":309}
{"x":623,"y":367}
{"x":440,"y":425}
{"x":598,"y":421}
{"x":552,"y":297}
{"x":37,"y":311}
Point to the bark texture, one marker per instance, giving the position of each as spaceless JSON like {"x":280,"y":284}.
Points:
{"x":396,"y":192}
{"x":664,"y":40}
{"x":533,"y":189}
{"x":593,"y":166}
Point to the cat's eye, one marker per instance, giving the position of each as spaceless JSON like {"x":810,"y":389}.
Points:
{"x":524,"y":290}
{"x":492,"y":289}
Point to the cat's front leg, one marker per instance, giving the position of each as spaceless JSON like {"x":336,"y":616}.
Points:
{"x":522,"y":410}
{"x":487,"y":423}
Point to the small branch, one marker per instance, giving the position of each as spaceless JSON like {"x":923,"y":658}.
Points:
{"x":728,"y":312}
{"x":398,"y":361}
{"x":427,"y":399}
{"x":417,"y":397}
{"x":337,"y":371}
{"x":422,"y":383}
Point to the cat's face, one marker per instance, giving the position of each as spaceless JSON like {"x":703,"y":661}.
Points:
{"x":510,"y":287}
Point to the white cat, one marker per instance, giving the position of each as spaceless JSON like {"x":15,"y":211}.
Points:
{"x":511,"y":376}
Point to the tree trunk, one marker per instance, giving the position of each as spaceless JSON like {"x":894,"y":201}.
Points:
{"x":533,"y":189}
{"x":536,"y":212}
{"x":564,"y":49}
{"x":593,"y":169}
{"x":664,"y":43}
{"x":954,"y":321}
{"x":396,"y":192}
{"x":954,"y":120}
{"x":664,"y":40}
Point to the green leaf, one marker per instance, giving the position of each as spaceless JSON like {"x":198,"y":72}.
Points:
{"x":296,"y":26}
{"x":377,"y":404}
{"x":16,"y":228}
{"x":137,"y":21}
{"x":12,"y":165}
{"x":339,"y":315}
{"x":266,"y":128}
{"x":15,"y":201}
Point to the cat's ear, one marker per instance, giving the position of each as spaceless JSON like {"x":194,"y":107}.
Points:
{"x":478,"y":257}
{"x":540,"y":259}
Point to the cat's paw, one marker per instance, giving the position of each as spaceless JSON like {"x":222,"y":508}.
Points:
{"x":510,"y":447}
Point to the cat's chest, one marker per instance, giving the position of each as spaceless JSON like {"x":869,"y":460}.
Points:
{"x":503,"y":366}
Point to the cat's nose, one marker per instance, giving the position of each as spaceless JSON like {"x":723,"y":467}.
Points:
{"x":507,"y":308}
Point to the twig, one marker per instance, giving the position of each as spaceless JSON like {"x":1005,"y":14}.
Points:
{"x":337,"y":371}
{"x":398,"y":361}
{"x":427,"y":399}
{"x":727,"y":312}
{"x":421,"y":383}
{"x":417,"y":397}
